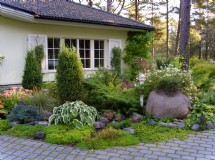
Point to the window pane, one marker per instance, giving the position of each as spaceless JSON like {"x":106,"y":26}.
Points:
{"x":101,"y":44}
{"x":67,"y":43}
{"x":50,"y":54}
{"x":50,"y":42}
{"x":101,"y":63}
{"x":96,"y":62}
{"x":50,"y":64}
{"x":87,"y":63}
{"x":96,"y":44}
{"x":56,"y":64}
{"x":96,"y":54}
{"x":82,"y":53}
{"x":56,"y":43}
{"x":87,"y":53}
{"x":74,"y":43}
{"x":81,"y":44}
{"x":56,"y":52}
{"x":101,"y":53}
{"x":87,"y":44}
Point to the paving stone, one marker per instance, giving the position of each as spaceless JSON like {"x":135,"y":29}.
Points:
{"x":32,"y":156}
{"x":210,"y":156}
{"x":10,"y":158}
{"x":175,"y":156}
{"x":188,"y":158}
{"x":150,"y":156}
{"x":104,"y":157}
{"x":114,"y":158}
{"x":70,"y":157}
{"x":79,"y":158}
{"x":159,"y":153}
{"x":113,"y":154}
{"x":127,"y":157}
{"x":91,"y":159}
{"x":123,"y":152}
{"x":40,"y":158}
{"x":197,"y":155}
{"x":164,"y":158}
{"x":62,"y":156}
{"x":191,"y":150}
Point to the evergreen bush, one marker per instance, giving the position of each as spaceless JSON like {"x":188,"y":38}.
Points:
{"x":32,"y":77}
{"x":116,"y":59}
{"x":69,"y":75}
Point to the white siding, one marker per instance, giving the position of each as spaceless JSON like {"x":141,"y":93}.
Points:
{"x":14,"y":44}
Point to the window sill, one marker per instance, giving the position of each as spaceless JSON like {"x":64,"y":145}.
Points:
{"x":54,"y":71}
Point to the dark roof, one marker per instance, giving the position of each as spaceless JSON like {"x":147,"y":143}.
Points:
{"x":65,"y":10}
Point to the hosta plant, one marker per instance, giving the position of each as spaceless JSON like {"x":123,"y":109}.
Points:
{"x":74,"y":113}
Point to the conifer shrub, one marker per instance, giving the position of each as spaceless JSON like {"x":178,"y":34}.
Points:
{"x":69,"y":75}
{"x":116,"y":59}
{"x":32,"y":77}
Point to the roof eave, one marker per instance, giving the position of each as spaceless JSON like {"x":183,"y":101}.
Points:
{"x":95,"y":23}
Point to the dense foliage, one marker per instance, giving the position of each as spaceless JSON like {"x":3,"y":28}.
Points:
{"x":23,"y":114}
{"x":32,"y":77}
{"x":105,"y":91}
{"x":74,"y":113}
{"x":4,"y":125}
{"x":138,"y":47}
{"x":69,"y":76}
{"x":204,"y":75}
{"x":116,"y":60}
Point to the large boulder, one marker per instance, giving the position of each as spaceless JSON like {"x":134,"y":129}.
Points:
{"x":161,"y":105}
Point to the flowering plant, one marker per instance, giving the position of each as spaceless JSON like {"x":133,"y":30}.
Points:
{"x":12,"y":96}
{"x":155,"y":76}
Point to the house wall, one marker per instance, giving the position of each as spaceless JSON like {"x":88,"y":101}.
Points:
{"x":14,"y":44}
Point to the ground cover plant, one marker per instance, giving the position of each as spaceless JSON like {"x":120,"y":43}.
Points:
{"x":88,"y":138}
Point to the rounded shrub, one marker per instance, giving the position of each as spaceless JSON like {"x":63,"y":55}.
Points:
{"x":70,"y":75}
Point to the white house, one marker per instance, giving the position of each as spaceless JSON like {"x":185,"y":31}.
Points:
{"x":53,"y":23}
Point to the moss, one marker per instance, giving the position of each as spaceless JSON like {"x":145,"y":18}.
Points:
{"x":25,"y":131}
{"x":4,"y":125}
{"x":109,"y":137}
{"x":153,"y":134}
{"x":67,"y":136}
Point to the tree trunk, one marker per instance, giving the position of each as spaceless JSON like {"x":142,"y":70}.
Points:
{"x":185,"y":33}
{"x":109,"y":5}
{"x":178,"y":32}
{"x":136,"y":10}
{"x":167,"y":29}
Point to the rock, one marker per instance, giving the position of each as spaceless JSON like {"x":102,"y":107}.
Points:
{"x":45,"y":123}
{"x":135,"y":117}
{"x":163,"y":124}
{"x":130,"y":130}
{"x":46,"y":115}
{"x":103,"y":120}
{"x":109,"y":115}
{"x":99,"y":125}
{"x":161,"y":105}
{"x":120,"y":117}
{"x":210,"y":124}
{"x":172,"y":125}
{"x":180,"y":125}
{"x":39,"y":135}
{"x":152,"y":122}
{"x":195,"y":127}
{"x":12,"y":124}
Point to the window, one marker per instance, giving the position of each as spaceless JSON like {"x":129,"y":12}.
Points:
{"x":98,"y":53}
{"x":53,"y":51}
{"x":84,"y":51}
{"x":71,"y":43}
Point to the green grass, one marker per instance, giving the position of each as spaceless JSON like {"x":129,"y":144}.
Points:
{"x":4,"y":125}
{"x":154,"y":134}
{"x":88,"y":138}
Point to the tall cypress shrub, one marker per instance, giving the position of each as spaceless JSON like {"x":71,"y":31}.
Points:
{"x":70,"y":75}
{"x":32,"y":77}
